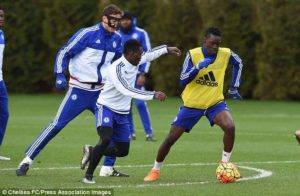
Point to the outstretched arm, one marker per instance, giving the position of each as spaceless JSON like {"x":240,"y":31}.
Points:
{"x":157,"y":52}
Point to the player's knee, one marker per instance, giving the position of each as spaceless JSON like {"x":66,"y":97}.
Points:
{"x":105,"y":134}
{"x":123,"y":153}
{"x":229,"y":128}
{"x":169,"y":141}
{"x":123,"y":149}
{"x":55,"y":127}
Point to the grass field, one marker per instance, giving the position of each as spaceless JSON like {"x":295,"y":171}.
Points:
{"x":264,"y":144}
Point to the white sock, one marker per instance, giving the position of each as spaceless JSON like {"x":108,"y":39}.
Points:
{"x":106,"y":167}
{"x":226,"y":156}
{"x":28,"y":160}
{"x":157,"y":165}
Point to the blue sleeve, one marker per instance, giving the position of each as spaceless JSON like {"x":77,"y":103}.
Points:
{"x":145,"y":41}
{"x":237,"y":67}
{"x":76,"y":44}
{"x":119,"y":51}
{"x":188,"y":71}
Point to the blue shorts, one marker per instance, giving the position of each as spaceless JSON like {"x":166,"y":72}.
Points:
{"x":118,"y":122}
{"x":188,"y":117}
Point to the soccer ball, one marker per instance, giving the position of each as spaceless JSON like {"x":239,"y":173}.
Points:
{"x":227,"y":173}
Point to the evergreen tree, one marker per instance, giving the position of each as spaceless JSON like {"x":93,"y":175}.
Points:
{"x":277,"y":55}
{"x":24,"y":52}
{"x":176,"y":23}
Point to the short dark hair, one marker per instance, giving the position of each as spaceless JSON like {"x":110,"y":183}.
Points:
{"x":132,"y":46}
{"x":213,"y":31}
{"x":111,"y":9}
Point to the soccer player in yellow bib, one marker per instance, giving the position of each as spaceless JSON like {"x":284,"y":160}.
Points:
{"x":202,"y":75}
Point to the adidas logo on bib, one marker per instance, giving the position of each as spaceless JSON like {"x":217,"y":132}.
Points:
{"x":208,"y":80}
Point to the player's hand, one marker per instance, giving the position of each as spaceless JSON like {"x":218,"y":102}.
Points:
{"x":161,"y":96}
{"x":174,"y":50}
{"x":61,"y":81}
{"x":204,"y":63}
{"x":141,"y":80}
{"x":234,"y":94}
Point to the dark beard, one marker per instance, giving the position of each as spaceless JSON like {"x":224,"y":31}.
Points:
{"x":126,"y":30}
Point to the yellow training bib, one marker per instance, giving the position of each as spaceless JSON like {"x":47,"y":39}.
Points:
{"x":206,"y":89}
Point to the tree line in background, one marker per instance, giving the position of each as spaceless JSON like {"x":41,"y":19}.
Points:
{"x":265,"y":34}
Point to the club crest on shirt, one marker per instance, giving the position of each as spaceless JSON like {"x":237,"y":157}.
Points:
{"x":135,"y":36}
{"x":74,"y":97}
{"x":114,"y":44}
{"x":106,"y":120}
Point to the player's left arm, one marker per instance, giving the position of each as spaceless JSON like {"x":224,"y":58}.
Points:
{"x":237,"y":67}
{"x":156,"y":52}
{"x":144,"y":68}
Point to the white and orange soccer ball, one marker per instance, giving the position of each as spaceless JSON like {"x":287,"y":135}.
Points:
{"x":227,"y":173}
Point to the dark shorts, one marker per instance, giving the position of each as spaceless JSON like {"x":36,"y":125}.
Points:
{"x":188,"y":117}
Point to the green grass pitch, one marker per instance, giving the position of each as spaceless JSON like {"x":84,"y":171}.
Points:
{"x":264,"y":143}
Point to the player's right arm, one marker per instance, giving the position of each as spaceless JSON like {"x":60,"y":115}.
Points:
{"x":75,"y":45}
{"x":145,"y":42}
{"x":189,"y":71}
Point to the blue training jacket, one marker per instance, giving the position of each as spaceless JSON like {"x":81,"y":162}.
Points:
{"x":142,"y":37}
{"x":88,"y":53}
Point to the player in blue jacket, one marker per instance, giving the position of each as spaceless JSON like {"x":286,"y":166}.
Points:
{"x":3,"y":92}
{"x":87,"y":55}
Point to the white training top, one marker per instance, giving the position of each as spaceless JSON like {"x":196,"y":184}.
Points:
{"x":119,"y":86}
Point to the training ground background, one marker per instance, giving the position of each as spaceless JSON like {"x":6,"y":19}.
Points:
{"x":265,"y":148}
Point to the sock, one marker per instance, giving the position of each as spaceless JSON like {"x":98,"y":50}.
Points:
{"x":104,"y":167}
{"x":226,"y":156}
{"x":28,"y":160}
{"x":95,"y":159}
{"x":157,"y":165}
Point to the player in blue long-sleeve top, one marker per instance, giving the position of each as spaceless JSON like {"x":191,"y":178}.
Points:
{"x":87,"y":56}
{"x":4,"y":114}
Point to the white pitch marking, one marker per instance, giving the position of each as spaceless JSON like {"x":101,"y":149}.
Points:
{"x":261,"y":174}
{"x":165,"y":165}
{"x":149,"y":185}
